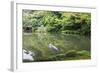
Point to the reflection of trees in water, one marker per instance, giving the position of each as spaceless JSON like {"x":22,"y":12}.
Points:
{"x":61,"y":41}
{"x":39,"y":42}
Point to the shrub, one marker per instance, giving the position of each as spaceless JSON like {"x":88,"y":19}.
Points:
{"x":83,"y":53}
{"x":60,"y":56}
{"x":71,"y":53}
{"x":54,"y":58}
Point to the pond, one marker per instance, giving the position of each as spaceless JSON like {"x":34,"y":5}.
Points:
{"x":39,"y":43}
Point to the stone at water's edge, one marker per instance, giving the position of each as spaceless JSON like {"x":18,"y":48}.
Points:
{"x":28,"y":55}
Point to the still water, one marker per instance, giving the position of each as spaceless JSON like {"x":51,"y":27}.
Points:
{"x":39,"y":43}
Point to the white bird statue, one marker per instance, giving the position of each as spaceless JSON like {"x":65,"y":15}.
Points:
{"x":53,"y":48}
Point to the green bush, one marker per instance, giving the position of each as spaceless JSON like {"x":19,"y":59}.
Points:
{"x":60,"y":56}
{"x":71,"y":53}
{"x":58,"y":21}
{"x":53,"y":58}
{"x":83,"y":53}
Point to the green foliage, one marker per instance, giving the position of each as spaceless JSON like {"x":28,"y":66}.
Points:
{"x":71,"y":53}
{"x":83,"y":53}
{"x":54,"y":21}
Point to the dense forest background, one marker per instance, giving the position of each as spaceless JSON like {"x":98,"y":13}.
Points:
{"x":58,"y":21}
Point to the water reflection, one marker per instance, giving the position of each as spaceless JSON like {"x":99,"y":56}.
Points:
{"x":39,"y":43}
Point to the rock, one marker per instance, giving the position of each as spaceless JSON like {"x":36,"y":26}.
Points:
{"x":28,"y":55}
